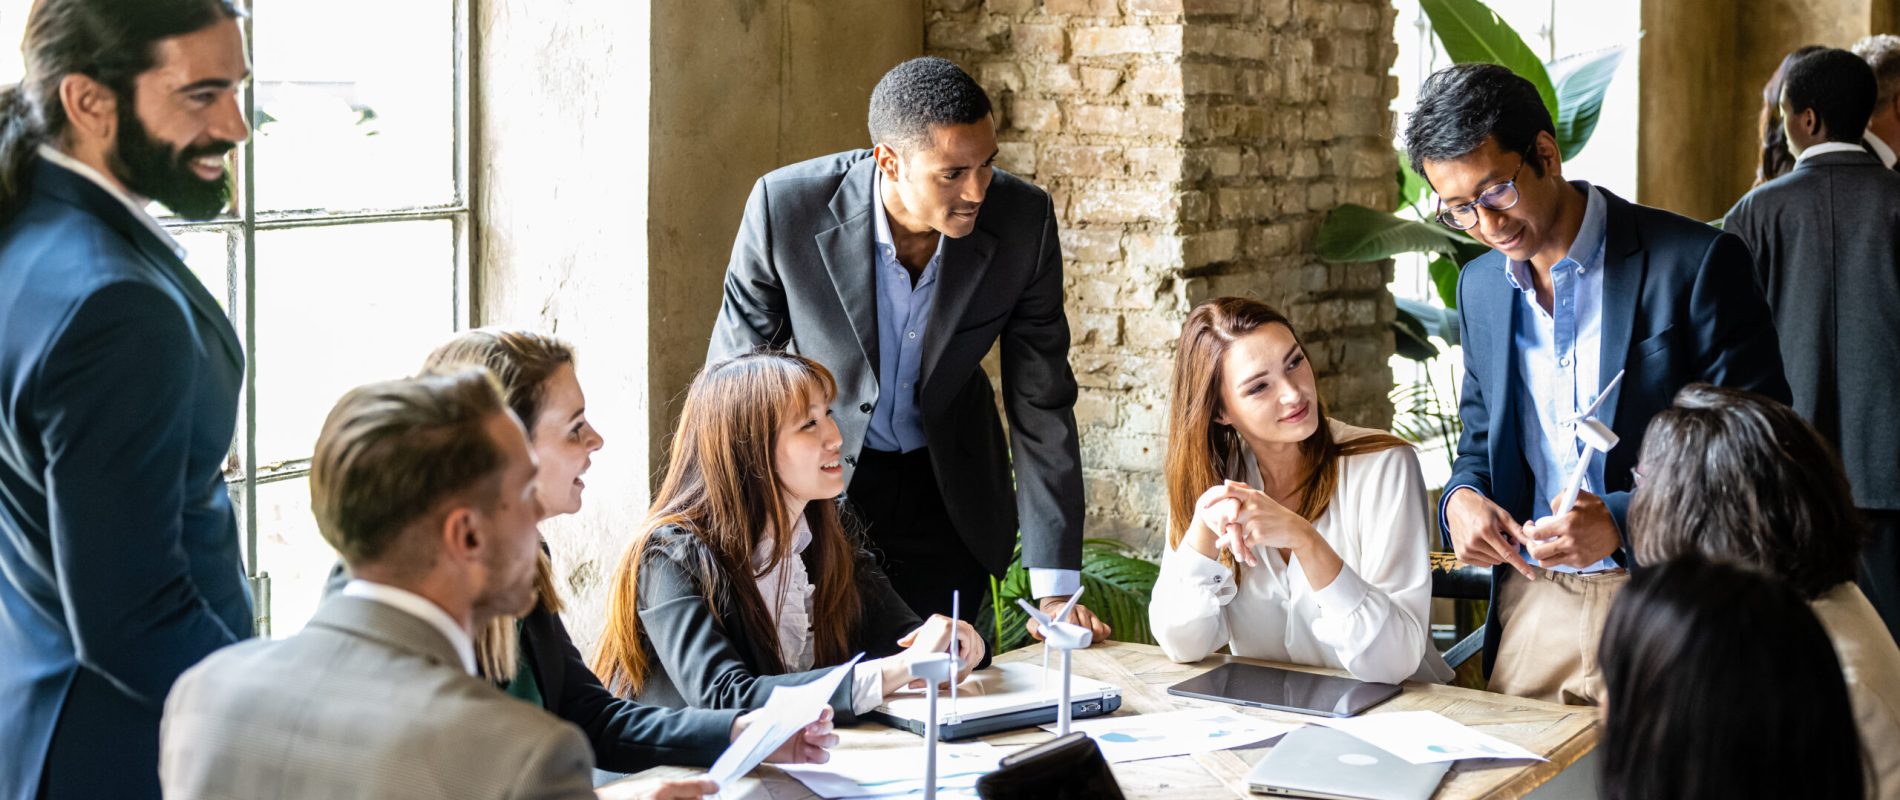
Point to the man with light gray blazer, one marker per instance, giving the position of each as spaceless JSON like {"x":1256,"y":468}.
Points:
{"x":426,"y":487}
{"x":1826,"y":243}
{"x":898,"y":268}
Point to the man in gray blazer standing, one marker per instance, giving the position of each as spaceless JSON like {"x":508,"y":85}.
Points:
{"x":1826,"y":256}
{"x":897,"y":268}
{"x":426,"y":487}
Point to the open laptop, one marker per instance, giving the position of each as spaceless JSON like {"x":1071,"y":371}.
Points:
{"x":1002,"y":698}
{"x":1326,"y":764}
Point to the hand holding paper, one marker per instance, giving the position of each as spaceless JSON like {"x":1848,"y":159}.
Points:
{"x":790,"y":709}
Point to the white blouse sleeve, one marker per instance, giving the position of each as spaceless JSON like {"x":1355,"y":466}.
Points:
{"x":1375,"y":615}
{"x":1185,"y":609}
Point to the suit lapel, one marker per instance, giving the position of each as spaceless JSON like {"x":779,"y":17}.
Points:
{"x":77,"y":190}
{"x":1624,"y":263}
{"x":1501,"y":382}
{"x":848,"y":253}
{"x":965,"y":261}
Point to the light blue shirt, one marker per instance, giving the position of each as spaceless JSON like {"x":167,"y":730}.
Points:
{"x":1558,"y":362}
{"x":903,"y":319}
{"x":903,"y":322}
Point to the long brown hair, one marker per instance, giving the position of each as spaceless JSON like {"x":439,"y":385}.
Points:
{"x":1202,"y":452}
{"x":722,"y":486}
{"x":521,"y":361}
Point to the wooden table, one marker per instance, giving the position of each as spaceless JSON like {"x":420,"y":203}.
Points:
{"x":1561,"y":733}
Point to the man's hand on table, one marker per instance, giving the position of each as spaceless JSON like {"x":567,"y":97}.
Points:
{"x":1080,"y":615}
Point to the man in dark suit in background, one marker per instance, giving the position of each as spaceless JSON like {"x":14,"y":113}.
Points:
{"x":897,"y":268}
{"x":1824,"y":239}
{"x":119,"y":562}
{"x":1581,"y":285}
{"x":1882,"y":53}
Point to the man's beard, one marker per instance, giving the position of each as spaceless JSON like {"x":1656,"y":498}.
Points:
{"x":153,"y":170}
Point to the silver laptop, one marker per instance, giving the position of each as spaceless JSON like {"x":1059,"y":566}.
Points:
{"x":1318,"y":762}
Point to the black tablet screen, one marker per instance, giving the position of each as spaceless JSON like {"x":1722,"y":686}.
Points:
{"x":1285,"y":690}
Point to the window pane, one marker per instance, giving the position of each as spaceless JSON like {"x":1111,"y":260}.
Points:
{"x":339,"y":307}
{"x":354,"y":116}
{"x":208,"y":254}
{"x":293,"y":552}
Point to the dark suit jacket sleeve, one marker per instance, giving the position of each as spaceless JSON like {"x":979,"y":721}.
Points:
{"x":628,"y":736}
{"x":1472,"y":467}
{"x":753,"y":310}
{"x":887,"y":617}
{"x":1039,"y":397}
{"x":689,"y":644}
{"x":114,"y":413}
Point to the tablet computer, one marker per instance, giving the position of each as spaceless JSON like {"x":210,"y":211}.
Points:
{"x":1285,"y":690}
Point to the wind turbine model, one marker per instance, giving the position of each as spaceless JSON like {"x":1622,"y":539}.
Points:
{"x":934,"y":669}
{"x":1065,"y":637}
{"x":1596,"y":437}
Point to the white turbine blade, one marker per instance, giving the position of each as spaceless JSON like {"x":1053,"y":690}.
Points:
{"x":1063,"y":615}
{"x":956,"y":613}
{"x":1035,"y":613}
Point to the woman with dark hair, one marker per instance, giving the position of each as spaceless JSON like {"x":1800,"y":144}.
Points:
{"x":1734,"y":476}
{"x":743,"y":577}
{"x":1776,"y":158}
{"x":533,"y":658}
{"x":1718,"y":682}
{"x":1291,"y":537}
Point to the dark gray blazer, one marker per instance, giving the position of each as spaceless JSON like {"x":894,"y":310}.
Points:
{"x":707,"y":659}
{"x":802,"y":277}
{"x":1826,"y":241}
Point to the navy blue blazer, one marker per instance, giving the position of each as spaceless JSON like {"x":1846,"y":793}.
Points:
{"x":119,"y":560}
{"x":1680,"y":306}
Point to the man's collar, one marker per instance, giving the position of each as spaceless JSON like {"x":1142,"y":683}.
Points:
{"x":420,"y":607}
{"x":1879,"y":148}
{"x":1590,"y":236}
{"x":1829,"y":147}
{"x":881,"y":222}
{"x":60,"y":159}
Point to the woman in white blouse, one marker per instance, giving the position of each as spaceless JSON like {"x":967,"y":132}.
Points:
{"x":1291,"y":537}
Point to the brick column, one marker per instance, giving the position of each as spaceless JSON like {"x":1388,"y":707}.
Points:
{"x":1192,"y":148}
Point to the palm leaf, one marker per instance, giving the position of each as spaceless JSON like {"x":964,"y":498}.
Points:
{"x":1409,"y":338}
{"x":1581,"y":81}
{"x":1354,"y":233}
{"x":1474,"y":34}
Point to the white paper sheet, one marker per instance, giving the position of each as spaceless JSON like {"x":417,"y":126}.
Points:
{"x":789,"y":709}
{"x":1141,"y":736}
{"x":896,"y":771}
{"x":1425,"y":737}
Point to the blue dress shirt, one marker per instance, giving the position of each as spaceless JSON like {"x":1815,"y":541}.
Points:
{"x":1558,"y":355}
{"x":903,"y":319}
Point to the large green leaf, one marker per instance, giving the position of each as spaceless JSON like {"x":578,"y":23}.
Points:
{"x":1472,"y":33}
{"x":1581,"y":81}
{"x":1356,"y":233}
{"x":1117,"y":584}
{"x":1439,"y":322}
{"x":1409,"y":338}
{"x":1444,"y":272}
{"x":1413,"y":188}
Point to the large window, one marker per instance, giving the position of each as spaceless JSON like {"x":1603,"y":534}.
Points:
{"x":345,"y":258}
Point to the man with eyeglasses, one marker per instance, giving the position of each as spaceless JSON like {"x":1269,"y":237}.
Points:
{"x":1581,"y":286}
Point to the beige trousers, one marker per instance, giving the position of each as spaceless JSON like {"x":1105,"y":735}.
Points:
{"x":1548,"y":649}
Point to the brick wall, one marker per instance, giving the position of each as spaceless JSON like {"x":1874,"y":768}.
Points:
{"x":1192,"y":148}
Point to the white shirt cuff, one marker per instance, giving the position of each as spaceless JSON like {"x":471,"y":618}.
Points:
{"x":1344,"y":594}
{"x":867,"y":689}
{"x":1047,"y":582}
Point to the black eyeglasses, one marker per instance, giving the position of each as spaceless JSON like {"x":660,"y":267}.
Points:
{"x":1499,"y":197}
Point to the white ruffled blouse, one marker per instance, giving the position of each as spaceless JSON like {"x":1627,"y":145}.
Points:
{"x":787,"y":590}
{"x":1372,"y":620}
